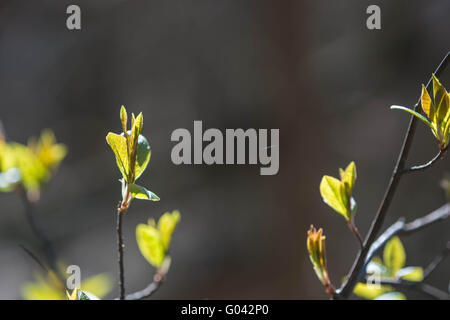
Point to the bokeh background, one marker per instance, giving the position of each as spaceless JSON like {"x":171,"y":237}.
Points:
{"x":310,"y":68}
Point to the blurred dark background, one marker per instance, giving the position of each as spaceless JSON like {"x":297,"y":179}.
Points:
{"x":310,"y":68}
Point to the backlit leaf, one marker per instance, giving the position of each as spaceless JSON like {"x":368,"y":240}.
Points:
{"x":140,"y":192}
{"x":394,"y":255}
{"x":332,"y":193}
{"x":410,"y":274}
{"x":369,"y":291}
{"x":150,"y":244}
{"x":427,"y":105}
{"x":166,"y":226}
{"x":118,"y":145}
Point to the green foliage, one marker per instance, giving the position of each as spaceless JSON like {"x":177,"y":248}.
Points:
{"x":338,"y":193}
{"x":437,"y":112}
{"x":154,"y":240}
{"x":394,"y":255}
{"x":31,"y":165}
{"x":132,"y":152}
{"x":51,"y":287}
{"x":392,"y":267}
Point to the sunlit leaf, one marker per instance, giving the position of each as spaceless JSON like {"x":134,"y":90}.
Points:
{"x":166,"y":226}
{"x":369,"y":291}
{"x":427,"y":105}
{"x":394,"y":255}
{"x":118,"y":145}
{"x":140,"y":192}
{"x":348,"y":176}
{"x":332,"y":193}
{"x":150,"y":244}
{"x":411,"y":274}
{"x":418,"y":115}
{"x":99,"y":285}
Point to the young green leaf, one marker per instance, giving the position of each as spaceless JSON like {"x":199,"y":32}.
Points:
{"x":150,"y":244}
{"x":370,"y":291}
{"x":418,"y":115}
{"x":394,"y":255}
{"x":332,"y":192}
{"x":140,"y":192}
{"x":166,"y":226}
{"x":118,"y":145}
{"x":427,"y":105}
{"x":410,"y":274}
{"x":124,"y":118}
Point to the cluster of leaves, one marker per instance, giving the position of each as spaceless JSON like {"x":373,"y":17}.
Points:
{"x":132,"y":153}
{"x":437,"y":112}
{"x":392,"y":267}
{"x":154,"y":239}
{"x":338,"y":193}
{"x":30,"y":165}
{"x":52,"y":286}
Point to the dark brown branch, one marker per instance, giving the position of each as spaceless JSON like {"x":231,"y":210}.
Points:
{"x":429,"y":164}
{"x":377,"y":223}
{"x":120,"y":247}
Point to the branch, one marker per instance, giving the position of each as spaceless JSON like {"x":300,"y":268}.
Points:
{"x":421,"y":286}
{"x":427,"y":165}
{"x":120,"y":247}
{"x":47,"y":246}
{"x":403,"y":229}
{"x":148,"y":291}
{"x":347,"y":287}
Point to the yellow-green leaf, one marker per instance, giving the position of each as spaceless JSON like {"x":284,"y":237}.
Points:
{"x":348,"y":177}
{"x":369,"y":291}
{"x":99,"y":285}
{"x":139,"y":192}
{"x":166,"y":226}
{"x":150,"y":244}
{"x":332,"y":192}
{"x":410,"y":274}
{"x":427,"y":105}
{"x":394,"y":255}
{"x":118,"y":145}
{"x":123,"y":118}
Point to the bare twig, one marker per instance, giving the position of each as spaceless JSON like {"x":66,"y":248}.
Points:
{"x":377,"y":223}
{"x":429,"y":164}
{"x":147,"y":291}
{"x":421,"y":287}
{"x":47,"y":246}
{"x":436,"y":261}
{"x":120,"y":247}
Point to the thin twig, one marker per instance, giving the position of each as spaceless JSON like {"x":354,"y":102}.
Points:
{"x":47,"y":246}
{"x":403,"y":229}
{"x":429,"y":164}
{"x":349,"y":284}
{"x":147,"y":291}
{"x":436,"y":262}
{"x":421,"y":287}
{"x":120,"y":247}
